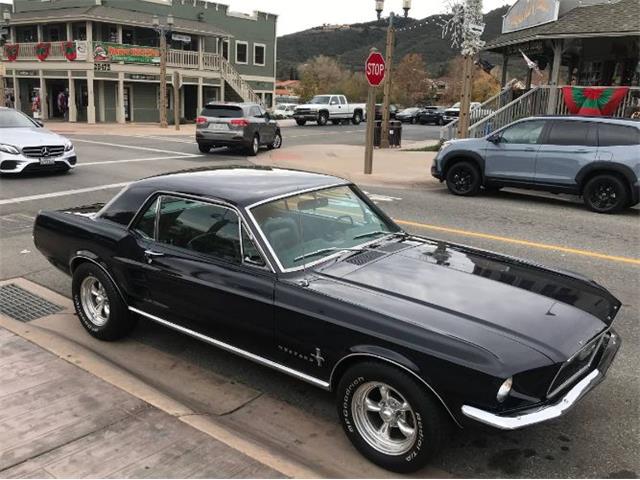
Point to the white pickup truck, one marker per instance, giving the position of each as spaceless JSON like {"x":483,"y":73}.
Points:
{"x":324,"y":108}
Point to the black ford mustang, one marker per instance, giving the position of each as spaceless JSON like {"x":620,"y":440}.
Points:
{"x":301,"y":272}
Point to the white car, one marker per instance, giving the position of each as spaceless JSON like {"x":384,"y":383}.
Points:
{"x":284,"y":110}
{"x":26,"y":146}
{"x":324,"y":108}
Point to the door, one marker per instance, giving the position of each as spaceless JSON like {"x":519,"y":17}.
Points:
{"x":335,"y":109}
{"x":263,"y":122}
{"x":567,"y":147}
{"x":186,"y":266}
{"x":512,"y":154}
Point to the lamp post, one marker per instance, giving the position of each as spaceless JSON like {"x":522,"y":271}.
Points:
{"x":163,"y":31}
{"x":6,"y":18}
{"x":391,"y":40}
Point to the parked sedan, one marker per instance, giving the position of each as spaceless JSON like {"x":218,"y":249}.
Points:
{"x":433,"y":115}
{"x":304,"y":274}
{"x":409,"y":115}
{"x":393,"y":111}
{"x":247,"y":126}
{"x":27,"y":147}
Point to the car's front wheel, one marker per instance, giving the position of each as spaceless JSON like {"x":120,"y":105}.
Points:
{"x":254,"y":147}
{"x":98,"y":304}
{"x":605,"y":194}
{"x":323,"y":118}
{"x":357,"y":118}
{"x":389,"y":416}
{"x":204,"y":148}
{"x":463,"y":178}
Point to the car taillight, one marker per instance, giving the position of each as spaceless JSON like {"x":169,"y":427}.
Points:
{"x":239,"y":122}
{"x":201,"y":120}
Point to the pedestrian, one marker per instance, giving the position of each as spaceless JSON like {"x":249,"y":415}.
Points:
{"x":63,"y":104}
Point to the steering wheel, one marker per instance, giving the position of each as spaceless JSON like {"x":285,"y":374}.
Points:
{"x":348,"y":217}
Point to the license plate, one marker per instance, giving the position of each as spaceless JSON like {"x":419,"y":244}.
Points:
{"x":219,"y":126}
{"x":47,"y":161}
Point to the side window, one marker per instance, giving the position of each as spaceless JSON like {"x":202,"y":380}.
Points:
{"x":611,"y":135}
{"x":146,"y":225}
{"x":343,"y":100}
{"x":334,"y":101}
{"x":564,"y":132}
{"x":523,"y":133}
{"x":255,"y":112}
{"x":200,"y":227}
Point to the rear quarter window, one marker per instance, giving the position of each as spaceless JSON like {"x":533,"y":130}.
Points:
{"x":222,"y":111}
{"x":616,"y":135}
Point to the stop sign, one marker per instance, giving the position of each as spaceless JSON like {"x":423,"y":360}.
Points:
{"x":375,"y":69}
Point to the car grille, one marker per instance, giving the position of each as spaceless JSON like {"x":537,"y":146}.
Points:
{"x":578,"y":365}
{"x":43,"y":151}
{"x":303,"y":110}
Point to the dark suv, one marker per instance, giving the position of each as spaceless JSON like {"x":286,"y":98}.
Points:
{"x":241,"y":125}
{"x":596,"y":157}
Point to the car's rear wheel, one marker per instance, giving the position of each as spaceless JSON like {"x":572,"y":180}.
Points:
{"x":204,"y":148}
{"x":323,"y":118}
{"x":301,"y":122}
{"x":463,"y":178}
{"x":277,"y":141}
{"x":254,"y":147}
{"x":390,"y":417}
{"x":357,"y":118}
{"x":605,"y":194}
{"x":98,"y":304}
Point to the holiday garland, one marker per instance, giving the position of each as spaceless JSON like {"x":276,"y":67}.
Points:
{"x":11,"y":52}
{"x":70,"y":50}
{"x":42,"y":50}
{"x":593,"y":101}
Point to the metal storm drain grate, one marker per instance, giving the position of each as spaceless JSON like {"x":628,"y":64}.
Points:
{"x":22,"y":305}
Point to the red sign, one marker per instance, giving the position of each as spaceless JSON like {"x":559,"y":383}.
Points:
{"x":375,"y":69}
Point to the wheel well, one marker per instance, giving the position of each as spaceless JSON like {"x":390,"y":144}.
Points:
{"x":81,"y":260}
{"x":613,"y":173}
{"x":358,"y":110}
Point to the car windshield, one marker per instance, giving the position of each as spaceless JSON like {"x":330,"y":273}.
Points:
{"x":305,"y":228}
{"x":320,"y":100}
{"x":13,"y":119}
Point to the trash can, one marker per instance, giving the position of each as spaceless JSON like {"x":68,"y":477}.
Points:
{"x":395,"y":133}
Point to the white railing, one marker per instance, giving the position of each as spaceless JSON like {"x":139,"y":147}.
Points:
{"x":27,"y":51}
{"x":182,"y":59}
{"x":234,"y":79}
{"x":211,"y":61}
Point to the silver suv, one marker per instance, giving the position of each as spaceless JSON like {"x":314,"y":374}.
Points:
{"x":237,"y":125}
{"x":596,"y":157}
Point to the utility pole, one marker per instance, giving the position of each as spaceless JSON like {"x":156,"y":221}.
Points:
{"x":391,"y":40}
{"x":465,"y":100}
{"x":163,"y":31}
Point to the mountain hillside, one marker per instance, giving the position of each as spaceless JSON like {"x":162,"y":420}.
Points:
{"x":351,"y":43}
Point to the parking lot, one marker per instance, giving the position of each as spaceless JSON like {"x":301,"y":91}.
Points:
{"x":600,"y":438}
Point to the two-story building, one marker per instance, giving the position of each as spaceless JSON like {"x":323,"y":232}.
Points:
{"x":106,"y":55}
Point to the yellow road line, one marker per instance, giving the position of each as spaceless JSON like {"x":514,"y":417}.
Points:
{"x":543,"y":246}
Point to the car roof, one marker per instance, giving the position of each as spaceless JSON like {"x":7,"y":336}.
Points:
{"x":242,"y":186}
{"x":588,"y":118}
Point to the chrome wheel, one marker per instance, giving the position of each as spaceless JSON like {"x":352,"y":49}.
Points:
{"x":277,"y":141}
{"x":384,"y":419}
{"x":95,"y":301}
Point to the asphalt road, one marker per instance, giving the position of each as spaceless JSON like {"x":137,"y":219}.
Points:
{"x":600,"y":438}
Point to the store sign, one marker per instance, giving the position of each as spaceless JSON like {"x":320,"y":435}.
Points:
{"x":26,"y":73}
{"x":181,"y":38}
{"x":115,"y":52}
{"x":530,"y":13}
{"x":142,"y":76}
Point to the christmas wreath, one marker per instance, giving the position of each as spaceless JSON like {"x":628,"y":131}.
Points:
{"x":70,"y":50}
{"x":11,"y":52}
{"x":42,"y":50}
{"x":593,"y":101}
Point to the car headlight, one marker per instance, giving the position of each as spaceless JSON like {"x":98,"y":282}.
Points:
{"x":9,"y":149}
{"x":68,"y":147}
{"x":504,"y":390}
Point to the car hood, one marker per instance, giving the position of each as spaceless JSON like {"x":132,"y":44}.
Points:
{"x":553,"y":312}
{"x":32,"y":137}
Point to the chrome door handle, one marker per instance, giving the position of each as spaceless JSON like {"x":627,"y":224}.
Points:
{"x":151,"y":254}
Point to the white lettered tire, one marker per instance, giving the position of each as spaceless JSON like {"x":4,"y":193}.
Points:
{"x":389,"y":416}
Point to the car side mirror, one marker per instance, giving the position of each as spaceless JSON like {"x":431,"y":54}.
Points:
{"x":495,"y":138}
{"x":267,"y":116}
{"x":40,"y":123}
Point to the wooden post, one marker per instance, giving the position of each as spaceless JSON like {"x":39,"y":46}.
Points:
{"x":163,"y":81}
{"x":554,"y":78}
{"x":371,"y":122}
{"x":391,"y":40}
{"x":465,"y":101}
{"x":505,"y":66}
{"x":176,"y":100}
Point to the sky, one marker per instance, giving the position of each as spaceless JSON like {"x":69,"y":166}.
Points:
{"x":297,"y":15}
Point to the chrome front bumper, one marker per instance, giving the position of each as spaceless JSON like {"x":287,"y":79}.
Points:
{"x":549,"y":411}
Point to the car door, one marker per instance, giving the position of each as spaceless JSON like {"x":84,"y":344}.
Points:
{"x":192,"y":266}
{"x":268,"y":127}
{"x":567,"y":147}
{"x":511,"y":153}
{"x":335,"y":108}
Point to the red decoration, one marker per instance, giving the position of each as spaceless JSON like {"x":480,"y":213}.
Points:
{"x":593,"y":101}
{"x":11,"y":52}
{"x":42,"y":50}
{"x":70,"y":50}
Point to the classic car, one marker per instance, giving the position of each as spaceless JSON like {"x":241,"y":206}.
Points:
{"x":301,"y":272}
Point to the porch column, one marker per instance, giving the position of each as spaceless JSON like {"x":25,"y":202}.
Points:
{"x":69,"y":31}
{"x":120,"y":116}
{"x":200,"y":101}
{"x":101,"y":105}
{"x":119,"y":32}
{"x":554,"y":78}
{"x":221,"y":99}
{"x":12,"y":35}
{"x":505,"y":64}
{"x":91,"y":101}
{"x":16,"y":92}
{"x":44,"y":98}
{"x":71,"y":102}
{"x":201,"y":53}
{"x":39,"y":30}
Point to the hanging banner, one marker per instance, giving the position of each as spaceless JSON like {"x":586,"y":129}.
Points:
{"x":530,"y":13}
{"x":42,"y":50}
{"x":11,"y":52}
{"x":593,"y":101}
{"x":116,"y":52}
{"x":81,"y":50}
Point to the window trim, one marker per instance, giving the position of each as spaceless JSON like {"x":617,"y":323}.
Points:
{"x":246,"y":44}
{"x":264,"y":54}
{"x":243,"y":223}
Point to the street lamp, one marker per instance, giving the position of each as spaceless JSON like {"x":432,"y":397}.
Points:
{"x":391,"y":40}
{"x":6,"y":18}
{"x":163,"y":31}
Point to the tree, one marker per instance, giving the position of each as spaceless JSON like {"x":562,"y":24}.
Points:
{"x":320,"y":75}
{"x":485,"y":85}
{"x":411,"y":82}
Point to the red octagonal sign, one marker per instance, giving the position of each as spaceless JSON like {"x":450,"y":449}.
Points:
{"x":375,"y":69}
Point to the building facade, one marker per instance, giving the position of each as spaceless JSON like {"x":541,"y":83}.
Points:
{"x":105,"y":55}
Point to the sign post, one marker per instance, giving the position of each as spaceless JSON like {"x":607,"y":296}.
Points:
{"x":375,"y":69}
